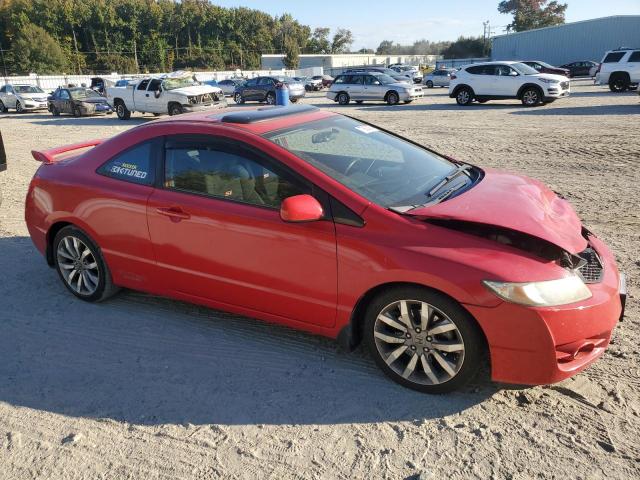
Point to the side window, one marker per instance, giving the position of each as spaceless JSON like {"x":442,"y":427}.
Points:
{"x":635,"y":56}
{"x":3,"y":89}
{"x":134,"y":165}
{"x":9,"y":89}
{"x":64,"y":94}
{"x":477,"y":70}
{"x":143,"y":84}
{"x":340,"y":79}
{"x":226,"y":171}
{"x":357,"y":79}
{"x":252,"y":82}
{"x":371,"y":80}
{"x":265,"y":81}
{"x":154,"y":85}
{"x":613,"y":57}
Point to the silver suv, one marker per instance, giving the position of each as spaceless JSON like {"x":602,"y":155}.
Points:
{"x":620,"y":69}
{"x":371,"y":86}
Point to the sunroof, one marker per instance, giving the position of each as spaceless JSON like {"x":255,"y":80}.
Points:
{"x":266,"y":113}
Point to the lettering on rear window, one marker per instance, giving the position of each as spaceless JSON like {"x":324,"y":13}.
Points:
{"x":133,"y":165}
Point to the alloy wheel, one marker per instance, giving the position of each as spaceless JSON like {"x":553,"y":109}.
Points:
{"x":530,"y":97}
{"x":463,"y":97}
{"x":19,"y":108}
{"x":419,"y":342}
{"x":78,"y":265}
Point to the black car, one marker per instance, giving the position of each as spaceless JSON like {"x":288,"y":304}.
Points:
{"x":543,"y":67}
{"x":585,"y":68}
{"x":78,"y":101}
{"x":263,"y":89}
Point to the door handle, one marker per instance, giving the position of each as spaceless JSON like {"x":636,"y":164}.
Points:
{"x":175,"y":213}
{"x":147,"y":95}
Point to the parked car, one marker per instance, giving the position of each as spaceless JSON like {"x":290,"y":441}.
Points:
{"x":311,"y":84}
{"x":586,"y":68}
{"x":434,"y":264}
{"x":620,"y":69}
{"x":78,"y":101}
{"x":501,"y":80}
{"x":229,"y":85}
{"x":174,"y":94}
{"x":411,"y":71}
{"x":399,"y":77}
{"x":22,"y":97}
{"x":263,"y":89}
{"x":438,"y":78}
{"x":100,"y":84}
{"x":327,"y":80}
{"x":543,"y":67}
{"x":372,"y":86}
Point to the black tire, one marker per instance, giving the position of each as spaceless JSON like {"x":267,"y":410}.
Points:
{"x":359,"y":102}
{"x":105,"y":287}
{"x":531,"y":97}
{"x":393,"y":98}
{"x":19,"y":107}
{"x":238,"y":98}
{"x":464,"y":96}
{"x":472,"y":338}
{"x":3,"y":108}
{"x":77,"y":112}
{"x":294,"y":100}
{"x":343,"y":98}
{"x":619,"y":82}
{"x":270,"y":98}
{"x":429,"y":84}
{"x":175,"y":109}
{"x":54,"y":111}
{"x":122,"y":111}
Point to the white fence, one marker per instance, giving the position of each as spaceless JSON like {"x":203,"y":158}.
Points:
{"x":51,"y":82}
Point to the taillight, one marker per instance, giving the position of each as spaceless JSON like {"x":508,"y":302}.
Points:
{"x":453,"y":76}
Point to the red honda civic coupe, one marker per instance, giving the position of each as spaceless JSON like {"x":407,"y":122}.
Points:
{"x":314,"y":220}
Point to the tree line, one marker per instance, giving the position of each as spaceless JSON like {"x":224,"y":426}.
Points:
{"x":130,"y":36}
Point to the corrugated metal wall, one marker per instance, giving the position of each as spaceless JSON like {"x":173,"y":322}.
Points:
{"x":587,"y":40}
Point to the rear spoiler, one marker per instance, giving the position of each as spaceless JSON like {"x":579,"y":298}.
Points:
{"x":48,"y":156}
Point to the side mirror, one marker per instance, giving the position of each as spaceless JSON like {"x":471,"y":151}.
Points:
{"x":301,"y":208}
{"x":513,"y":73}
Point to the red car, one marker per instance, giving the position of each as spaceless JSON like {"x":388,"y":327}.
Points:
{"x":320,"y":222}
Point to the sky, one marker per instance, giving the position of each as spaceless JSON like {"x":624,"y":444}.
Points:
{"x":372,"y":21}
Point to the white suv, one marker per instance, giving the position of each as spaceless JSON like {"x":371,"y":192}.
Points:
{"x":620,"y":69}
{"x":502,"y":80}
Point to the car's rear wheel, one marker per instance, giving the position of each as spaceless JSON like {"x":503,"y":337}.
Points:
{"x":393,"y":98}
{"x":343,"y":98}
{"x":271,"y":98}
{"x":81,"y":266}
{"x":619,"y":83}
{"x":464,"y":96}
{"x":429,"y":84}
{"x":122,"y":111}
{"x":531,"y":97}
{"x":423,"y":340}
{"x":238,"y":98}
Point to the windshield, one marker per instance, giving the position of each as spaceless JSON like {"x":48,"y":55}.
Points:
{"x":523,"y":69}
{"x":173,"y":83}
{"x":83,"y":93}
{"x":27,"y":89}
{"x":381,"y":167}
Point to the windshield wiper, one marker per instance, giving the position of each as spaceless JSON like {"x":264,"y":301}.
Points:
{"x":462,"y":169}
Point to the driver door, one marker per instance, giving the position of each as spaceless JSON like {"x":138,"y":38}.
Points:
{"x":149,"y":103}
{"x":505,"y":81}
{"x":10,"y":98}
{"x":372,"y":89}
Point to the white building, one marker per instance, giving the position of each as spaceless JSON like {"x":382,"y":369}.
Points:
{"x":342,"y":60}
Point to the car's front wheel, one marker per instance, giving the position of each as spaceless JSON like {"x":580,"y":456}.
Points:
{"x":19,"y":107}
{"x":81,"y":266}
{"x":423,"y":340}
{"x":238,"y":98}
{"x":175,"y":109}
{"x":271,"y":98}
{"x":343,"y":98}
{"x":122,"y":111}
{"x":392,"y":98}
{"x":429,"y":84}
{"x":531,"y":97}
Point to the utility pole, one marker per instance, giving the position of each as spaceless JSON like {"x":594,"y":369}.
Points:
{"x":485,"y":36}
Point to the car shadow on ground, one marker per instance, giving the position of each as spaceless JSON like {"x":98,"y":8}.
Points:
{"x":421,"y":106}
{"x":147,"y":360}
{"x":65,"y":120}
{"x":590,"y":110}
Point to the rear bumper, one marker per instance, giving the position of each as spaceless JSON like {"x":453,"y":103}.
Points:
{"x":536,"y":346}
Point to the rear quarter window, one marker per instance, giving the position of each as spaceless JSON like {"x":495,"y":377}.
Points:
{"x":478,"y":70}
{"x":635,"y":57}
{"x":613,"y":57}
{"x":134,"y":165}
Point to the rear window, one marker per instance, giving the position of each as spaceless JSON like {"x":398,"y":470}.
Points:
{"x":133,"y":165}
{"x":635,"y":57}
{"x":613,"y":57}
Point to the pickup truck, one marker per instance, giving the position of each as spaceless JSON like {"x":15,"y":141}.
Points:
{"x":174,"y":94}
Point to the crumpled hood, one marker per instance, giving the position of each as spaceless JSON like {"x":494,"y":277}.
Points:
{"x":515,"y":202}
{"x":196,"y":90}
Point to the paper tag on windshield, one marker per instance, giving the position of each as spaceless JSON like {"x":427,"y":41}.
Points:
{"x":366,"y":128}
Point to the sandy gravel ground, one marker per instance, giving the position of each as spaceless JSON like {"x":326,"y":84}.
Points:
{"x":148,"y":388}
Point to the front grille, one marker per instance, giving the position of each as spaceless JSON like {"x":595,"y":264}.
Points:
{"x":564,"y":85}
{"x":591,"y":271}
{"x":205,"y":98}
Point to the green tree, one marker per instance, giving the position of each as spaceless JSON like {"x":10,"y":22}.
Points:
{"x":465,"y":47}
{"x":292,"y":54}
{"x":386,"y":47}
{"x":319,"y":41}
{"x":342,"y":41}
{"x":35,"y":51}
{"x":529,"y":14}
